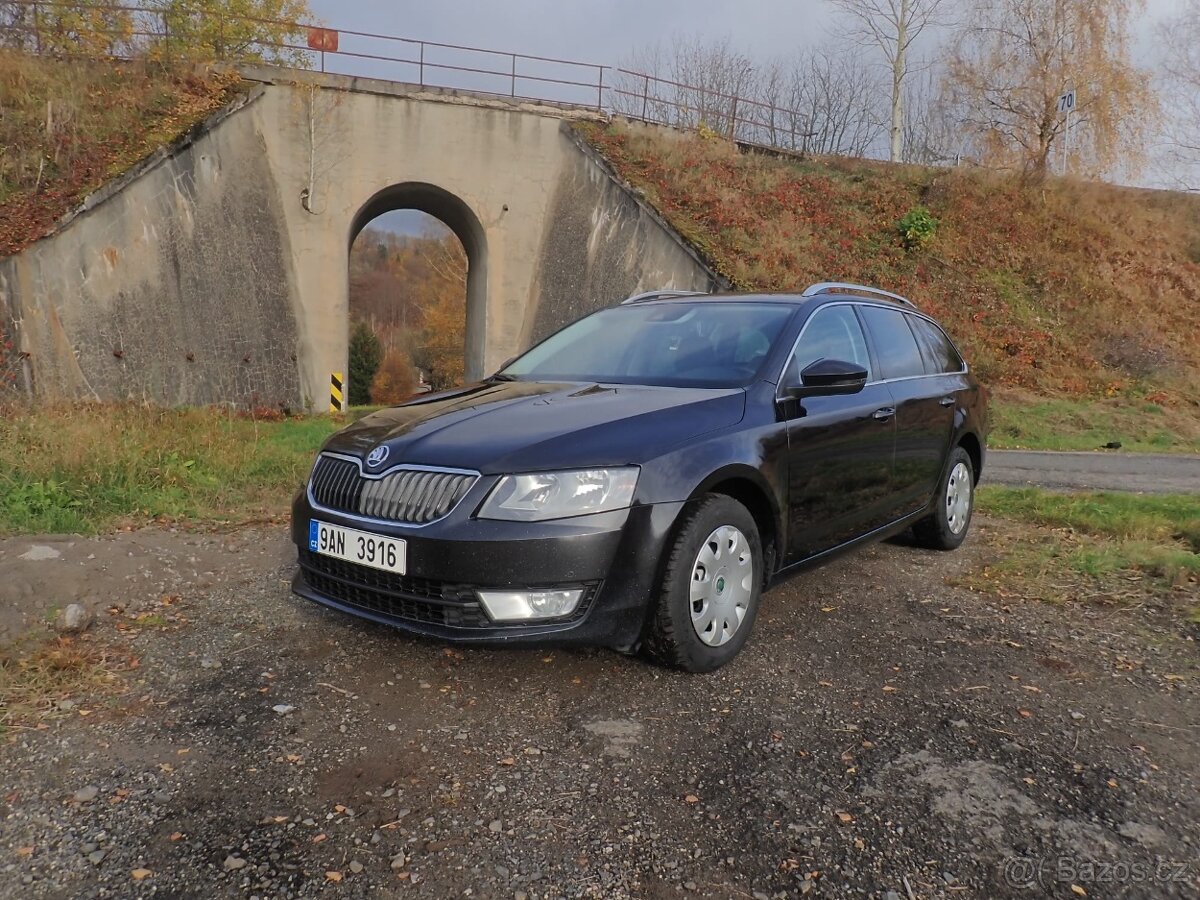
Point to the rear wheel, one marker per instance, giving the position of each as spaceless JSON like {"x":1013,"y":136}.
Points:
{"x":710,"y":591}
{"x":946,"y":527}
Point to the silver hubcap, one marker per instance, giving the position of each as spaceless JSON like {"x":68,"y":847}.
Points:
{"x":958,"y":498}
{"x":722,"y":585}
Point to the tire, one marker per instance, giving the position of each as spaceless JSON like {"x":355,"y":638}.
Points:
{"x":947,"y":526}
{"x":718,"y":538}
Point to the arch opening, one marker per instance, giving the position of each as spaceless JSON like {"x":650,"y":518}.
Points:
{"x":424,"y":258}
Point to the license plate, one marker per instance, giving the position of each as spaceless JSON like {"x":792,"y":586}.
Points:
{"x":355,"y":546}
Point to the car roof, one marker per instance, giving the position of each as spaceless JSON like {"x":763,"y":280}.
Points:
{"x":815,"y":294}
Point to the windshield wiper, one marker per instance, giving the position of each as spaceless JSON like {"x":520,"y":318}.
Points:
{"x":502,"y":377}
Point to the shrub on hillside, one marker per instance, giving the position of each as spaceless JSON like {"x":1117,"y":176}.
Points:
{"x":366,"y":353}
{"x":395,"y":381}
{"x":917,"y":227}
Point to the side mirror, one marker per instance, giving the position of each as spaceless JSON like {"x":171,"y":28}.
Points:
{"x":827,"y":377}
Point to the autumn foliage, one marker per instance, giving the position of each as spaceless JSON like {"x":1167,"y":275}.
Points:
{"x":1014,"y":58}
{"x":1077,"y":288}
{"x":270,"y":31}
{"x":395,"y":380}
{"x":411,"y":290}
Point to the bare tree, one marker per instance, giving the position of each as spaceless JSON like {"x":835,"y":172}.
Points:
{"x":775,"y":126}
{"x":710,"y":79}
{"x":691,"y":82}
{"x":639,"y":91}
{"x":932,"y":135}
{"x":835,"y":100}
{"x":1180,"y":75}
{"x":815,"y":102}
{"x":893,"y":26}
{"x":1013,"y":60}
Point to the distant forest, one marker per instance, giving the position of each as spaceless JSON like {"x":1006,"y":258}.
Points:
{"x":410,"y":290}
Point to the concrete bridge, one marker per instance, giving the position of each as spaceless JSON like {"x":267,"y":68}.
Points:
{"x":218,"y":270}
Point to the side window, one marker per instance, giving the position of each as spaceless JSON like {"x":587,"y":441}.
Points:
{"x":831,"y":333}
{"x":940,"y":355}
{"x":895,"y":347}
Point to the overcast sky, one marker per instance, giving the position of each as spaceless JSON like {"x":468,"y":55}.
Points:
{"x":603,"y":32}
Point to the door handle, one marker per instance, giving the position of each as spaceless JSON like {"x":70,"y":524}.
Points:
{"x":884,"y":414}
{"x":947,"y":401}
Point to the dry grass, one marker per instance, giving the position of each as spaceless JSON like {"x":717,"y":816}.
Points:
{"x":88,"y":467}
{"x":36,"y":679}
{"x":67,"y":126}
{"x":1073,"y":288}
{"x":1105,"y":548}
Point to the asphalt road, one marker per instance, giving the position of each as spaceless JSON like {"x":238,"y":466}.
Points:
{"x":1147,"y":472}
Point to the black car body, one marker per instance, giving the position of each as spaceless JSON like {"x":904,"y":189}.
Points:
{"x":821,"y":453}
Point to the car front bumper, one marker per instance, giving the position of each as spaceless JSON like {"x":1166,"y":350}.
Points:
{"x":613,"y":556}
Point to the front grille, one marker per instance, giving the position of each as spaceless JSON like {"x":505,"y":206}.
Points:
{"x":391,"y":582}
{"x":336,"y":484}
{"x":409,"y":496}
{"x":404,"y":597}
{"x":355,"y":592}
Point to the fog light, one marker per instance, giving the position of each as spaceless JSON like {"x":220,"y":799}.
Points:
{"x":514,"y":606}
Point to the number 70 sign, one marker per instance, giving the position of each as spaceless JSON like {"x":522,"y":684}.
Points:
{"x":1066,"y":102}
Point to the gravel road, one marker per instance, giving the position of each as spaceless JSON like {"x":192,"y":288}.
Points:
{"x":1149,"y":472}
{"x":885,"y":734}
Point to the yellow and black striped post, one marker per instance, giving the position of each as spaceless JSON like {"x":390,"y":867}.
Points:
{"x":336,"y":401}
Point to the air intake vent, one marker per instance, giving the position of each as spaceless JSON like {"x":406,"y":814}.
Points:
{"x":408,"y":496}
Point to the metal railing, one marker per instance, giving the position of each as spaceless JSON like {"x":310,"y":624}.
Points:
{"x":132,"y":30}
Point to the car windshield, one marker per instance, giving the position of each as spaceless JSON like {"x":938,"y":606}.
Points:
{"x":676,"y":344}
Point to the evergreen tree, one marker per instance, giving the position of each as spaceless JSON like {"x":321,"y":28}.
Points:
{"x":366,"y":353}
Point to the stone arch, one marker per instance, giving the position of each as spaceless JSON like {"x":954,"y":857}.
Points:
{"x":459,"y":218}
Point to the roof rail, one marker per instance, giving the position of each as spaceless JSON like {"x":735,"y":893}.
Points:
{"x":835,"y":287}
{"x":662,"y":294}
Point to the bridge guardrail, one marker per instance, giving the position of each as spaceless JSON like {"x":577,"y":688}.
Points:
{"x":131,"y":30}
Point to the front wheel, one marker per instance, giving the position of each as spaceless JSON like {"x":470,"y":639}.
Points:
{"x":710,"y":591}
{"x":946,"y":527}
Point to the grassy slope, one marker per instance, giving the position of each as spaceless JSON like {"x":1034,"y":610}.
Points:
{"x":1080,"y":292}
{"x":1097,"y":546}
{"x":1023,"y":421}
{"x":66,"y":127}
{"x":90,"y":467}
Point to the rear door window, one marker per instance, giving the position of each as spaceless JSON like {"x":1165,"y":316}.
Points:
{"x":895,"y":346}
{"x":941,"y":358}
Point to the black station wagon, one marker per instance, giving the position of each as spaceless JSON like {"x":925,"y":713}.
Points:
{"x":637,"y":479}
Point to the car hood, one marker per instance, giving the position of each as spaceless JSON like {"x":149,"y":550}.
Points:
{"x":495,"y":427}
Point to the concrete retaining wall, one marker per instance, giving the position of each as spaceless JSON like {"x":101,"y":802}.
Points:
{"x":602,"y":244}
{"x":219,"y":272}
{"x":174,"y":288}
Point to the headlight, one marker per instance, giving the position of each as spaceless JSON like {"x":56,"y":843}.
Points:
{"x":557,"y":495}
